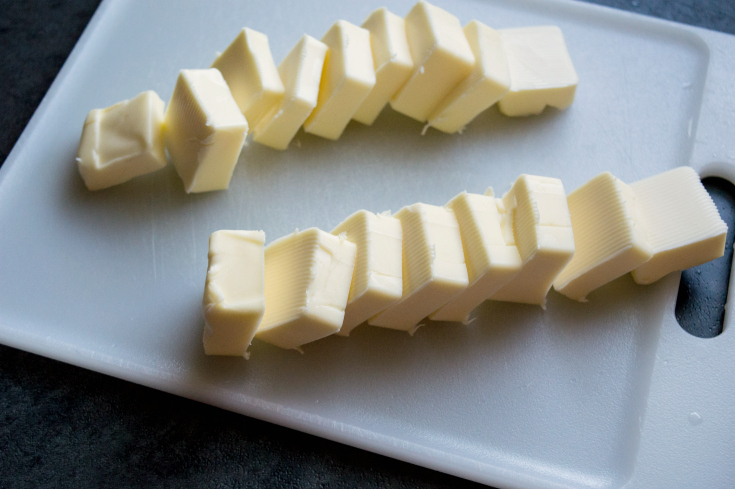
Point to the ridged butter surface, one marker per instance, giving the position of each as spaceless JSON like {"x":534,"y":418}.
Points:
{"x":683,"y":225}
{"x":610,"y":237}
{"x":307,"y":283}
{"x":434,"y":269}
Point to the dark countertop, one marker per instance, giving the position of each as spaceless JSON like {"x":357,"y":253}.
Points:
{"x":62,"y":426}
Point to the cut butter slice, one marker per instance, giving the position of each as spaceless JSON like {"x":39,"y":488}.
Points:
{"x":248,"y":68}
{"x":347,"y":78}
{"x":391,"y":60}
{"x":377,"y":282}
{"x":491,"y":260}
{"x":487,"y":83}
{"x":535,"y":217}
{"x":682,"y":222}
{"x":122,"y":142}
{"x":300,"y":71}
{"x":541,"y":71}
{"x":234,"y":298}
{"x":610,"y":236}
{"x":434,"y":269}
{"x":204,"y":130}
{"x":442,"y":58}
{"x":307,"y":283}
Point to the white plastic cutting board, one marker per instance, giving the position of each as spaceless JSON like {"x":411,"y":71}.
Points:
{"x":610,"y":393}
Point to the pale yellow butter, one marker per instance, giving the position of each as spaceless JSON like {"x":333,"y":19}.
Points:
{"x":683,"y":225}
{"x":535,"y":217}
{"x":541,"y":71}
{"x":434,"y":269}
{"x":248,"y":68}
{"x":122,"y":141}
{"x":300,"y":71}
{"x":610,"y":236}
{"x":491,"y":260}
{"x":307,"y":283}
{"x":204,"y":130}
{"x":234,"y":298}
{"x":377,"y":282}
{"x":391,"y":60}
{"x":487,"y":83}
{"x":442,"y":58}
{"x":347,"y":78}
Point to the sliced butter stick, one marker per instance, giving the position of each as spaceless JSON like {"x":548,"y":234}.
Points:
{"x":347,"y":78}
{"x":307,"y":283}
{"x":541,"y":71}
{"x":234,"y":298}
{"x":535,"y":217}
{"x":434,"y":269}
{"x":204,"y":130}
{"x":442,"y":58}
{"x":487,"y":83}
{"x":391,"y":60}
{"x":491,"y":260}
{"x":377,"y":282}
{"x":248,"y":68}
{"x":122,"y":142}
{"x":683,"y":225}
{"x":610,"y":237}
{"x":301,"y":71}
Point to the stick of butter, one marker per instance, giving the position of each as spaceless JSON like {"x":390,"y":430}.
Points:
{"x":610,"y":236}
{"x":377,"y":282}
{"x":682,"y":222}
{"x":347,"y":78}
{"x":487,"y":83}
{"x":301,"y":71}
{"x":234,"y":298}
{"x":434,"y":269}
{"x":442,"y":58}
{"x":391,"y":60}
{"x":248,"y":68}
{"x":204,"y":130}
{"x":491,"y":261}
{"x":307,"y":283}
{"x":541,"y":71}
{"x":535,"y":217}
{"x":122,"y":142}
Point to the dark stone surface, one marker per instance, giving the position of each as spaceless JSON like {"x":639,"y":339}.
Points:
{"x":62,"y":426}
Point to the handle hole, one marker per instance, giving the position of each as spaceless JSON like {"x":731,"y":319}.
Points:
{"x":700,"y":304}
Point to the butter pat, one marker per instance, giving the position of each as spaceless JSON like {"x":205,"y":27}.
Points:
{"x":610,"y":236}
{"x":300,"y":71}
{"x":683,"y":225}
{"x":434,"y":269}
{"x":122,"y":142}
{"x":234,"y":298}
{"x":307,"y":283}
{"x":347,"y":78}
{"x":391,"y":61}
{"x":377,"y":282}
{"x":535,"y":217}
{"x":487,"y":83}
{"x":491,"y":261}
{"x":204,"y":130}
{"x":541,"y":71}
{"x":442,"y":58}
{"x":248,"y":68}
